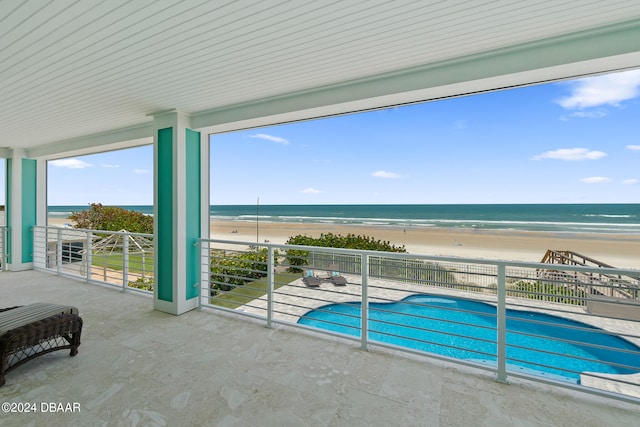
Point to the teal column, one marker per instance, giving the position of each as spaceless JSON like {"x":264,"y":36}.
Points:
{"x":178,"y":207}
{"x":21,"y":210}
{"x":29,"y":192}
{"x":164,"y":216}
{"x":193,"y":205}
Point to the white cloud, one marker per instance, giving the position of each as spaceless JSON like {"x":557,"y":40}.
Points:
{"x":610,"y":89}
{"x":633,"y":147}
{"x":104,"y":165}
{"x":385,"y":175}
{"x":140,"y":171}
{"x":311,"y":190}
{"x":595,"y":180}
{"x":571,"y":154}
{"x":271,"y":138}
{"x":70,"y":164}
{"x":592,"y":114}
{"x":630,"y":181}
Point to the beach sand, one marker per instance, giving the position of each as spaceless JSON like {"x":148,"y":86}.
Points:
{"x":616,"y":250}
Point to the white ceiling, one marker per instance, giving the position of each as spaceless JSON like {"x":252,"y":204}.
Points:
{"x":77,"y":70}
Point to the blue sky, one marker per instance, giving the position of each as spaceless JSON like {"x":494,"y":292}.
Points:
{"x":569,"y":142}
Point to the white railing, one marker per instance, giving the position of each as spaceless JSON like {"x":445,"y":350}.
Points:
{"x":482,"y":313}
{"x":120,"y":259}
{"x":537,"y":321}
{"x":4,"y":235}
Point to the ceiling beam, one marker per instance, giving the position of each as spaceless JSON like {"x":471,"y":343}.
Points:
{"x":129,"y":137}
{"x":606,"y":49}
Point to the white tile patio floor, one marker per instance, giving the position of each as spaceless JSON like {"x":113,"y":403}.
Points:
{"x":140,"y":367}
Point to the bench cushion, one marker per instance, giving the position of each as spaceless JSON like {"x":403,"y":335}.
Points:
{"x":26,"y":314}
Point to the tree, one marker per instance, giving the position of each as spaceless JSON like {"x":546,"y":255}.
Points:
{"x":112,"y":218}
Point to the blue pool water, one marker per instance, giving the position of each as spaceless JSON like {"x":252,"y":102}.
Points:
{"x":465,"y":329}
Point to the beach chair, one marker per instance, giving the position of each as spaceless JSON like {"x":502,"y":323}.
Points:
{"x":32,"y":330}
{"x":310,"y":280}
{"x":337,"y":279}
{"x":333,"y":276}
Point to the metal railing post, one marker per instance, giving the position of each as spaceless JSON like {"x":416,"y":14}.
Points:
{"x":125,"y":261}
{"x":200,"y":244}
{"x":501,"y":324}
{"x":206,"y":246}
{"x":364,"y":308}
{"x":5,"y":258}
{"x":89,"y":254}
{"x":208,"y":272}
{"x":58,"y":250}
{"x":270,"y":281}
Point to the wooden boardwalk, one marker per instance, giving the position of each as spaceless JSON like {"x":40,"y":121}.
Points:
{"x":614,"y":286}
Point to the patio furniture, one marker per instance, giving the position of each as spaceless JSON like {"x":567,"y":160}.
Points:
{"x":337,"y":279}
{"x":311,"y":280}
{"x":332,"y":275}
{"x":32,"y":330}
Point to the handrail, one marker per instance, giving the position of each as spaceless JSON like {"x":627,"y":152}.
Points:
{"x":88,"y":230}
{"x":401,"y":255}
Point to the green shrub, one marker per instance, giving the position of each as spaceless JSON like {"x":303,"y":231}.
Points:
{"x":112,"y":218}
{"x":297,"y":257}
{"x":350,"y":241}
{"x":142,"y":283}
{"x":229,"y":270}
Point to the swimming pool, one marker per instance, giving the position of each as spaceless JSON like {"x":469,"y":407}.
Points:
{"x":466,"y":329}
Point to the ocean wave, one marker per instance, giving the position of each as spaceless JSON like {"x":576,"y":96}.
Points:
{"x":510,"y":225}
{"x":60,"y":214}
{"x":590,"y":218}
{"x":610,"y":216}
{"x":429,"y":222}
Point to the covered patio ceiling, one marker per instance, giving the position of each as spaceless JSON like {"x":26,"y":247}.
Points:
{"x":86,"y":76}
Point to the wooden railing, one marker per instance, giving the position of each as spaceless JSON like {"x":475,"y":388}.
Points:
{"x":625,"y":287}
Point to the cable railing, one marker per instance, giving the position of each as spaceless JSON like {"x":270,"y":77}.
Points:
{"x":115,"y":258}
{"x":502,"y":316}
{"x":510,"y":318}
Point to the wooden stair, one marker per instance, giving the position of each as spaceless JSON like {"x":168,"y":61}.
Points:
{"x":614,"y":286}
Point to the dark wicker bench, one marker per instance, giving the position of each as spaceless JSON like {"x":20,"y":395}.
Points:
{"x":32,"y":330}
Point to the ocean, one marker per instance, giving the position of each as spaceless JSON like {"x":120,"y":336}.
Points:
{"x":556,"y":218}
